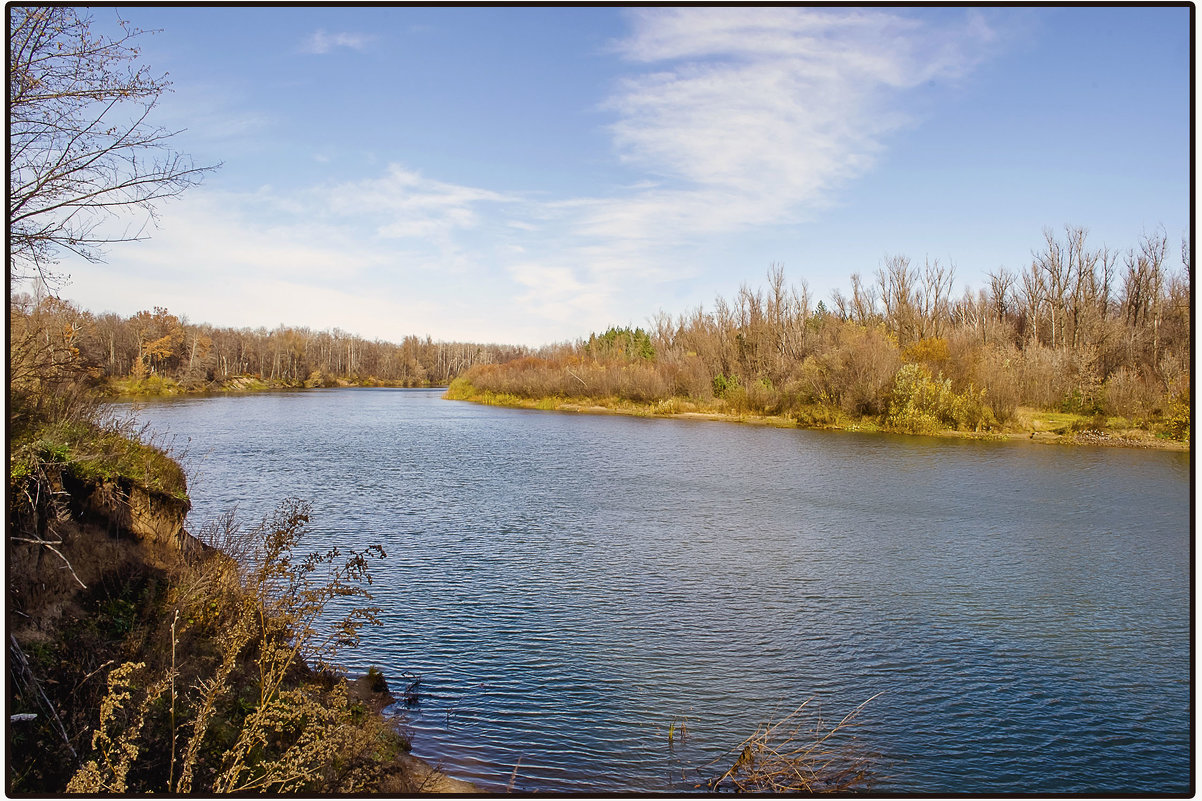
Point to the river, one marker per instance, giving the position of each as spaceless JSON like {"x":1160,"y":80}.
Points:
{"x":571,"y":587}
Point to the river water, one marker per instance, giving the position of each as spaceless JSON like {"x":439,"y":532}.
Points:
{"x":570,"y":588}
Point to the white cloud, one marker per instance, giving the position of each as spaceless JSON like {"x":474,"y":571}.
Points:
{"x":556,"y":294}
{"x":403,"y":204}
{"x":320,"y":42}
{"x":381,"y":257}
{"x":775,"y":107}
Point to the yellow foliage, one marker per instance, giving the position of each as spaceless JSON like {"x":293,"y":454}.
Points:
{"x":933,"y":350}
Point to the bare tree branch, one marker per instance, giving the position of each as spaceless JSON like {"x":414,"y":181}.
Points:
{"x":82,"y":152}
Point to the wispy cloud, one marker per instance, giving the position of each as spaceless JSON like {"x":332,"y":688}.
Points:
{"x":775,"y":107}
{"x":557,"y":295}
{"x":385,"y":257}
{"x":321,"y":42}
{"x":217,"y":115}
{"x":404,"y":204}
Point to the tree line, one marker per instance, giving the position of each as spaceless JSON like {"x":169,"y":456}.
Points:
{"x":1082,"y":329}
{"x":155,"y":347}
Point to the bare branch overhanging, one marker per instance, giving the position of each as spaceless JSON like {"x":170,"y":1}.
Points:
{"x":82,"y":152}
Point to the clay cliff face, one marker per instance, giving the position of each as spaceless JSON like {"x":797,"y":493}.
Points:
{"x":97,"y":534}
{"x":128,"y":509}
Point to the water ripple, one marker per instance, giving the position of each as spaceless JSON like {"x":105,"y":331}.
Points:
{"x":569,"y":587}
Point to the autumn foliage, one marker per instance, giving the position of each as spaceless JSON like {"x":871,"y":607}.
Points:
{"x":1088,"y":331}
{"x":156,"y":352}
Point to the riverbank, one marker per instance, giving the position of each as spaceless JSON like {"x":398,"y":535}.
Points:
{"x":1053,"y":428}
{"x":157,"y":386}
{"x":113,"y":605}
{"x":1049,"y":427}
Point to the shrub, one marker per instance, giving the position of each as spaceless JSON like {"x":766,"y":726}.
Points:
{"x":1081,"y":401}
{"x":1046,"y":376}
{"x":932,"y":350}
{"x":997,"y":371}
{"x":807,"y":384}
{"x":49,"y":380}
{"x":859,"y":368}
{"x":687,"y":378}
{"x":724,"y":385}
{"x":922,"y":404}
{"x":1179,"y":416}
{"x":915,"y":401}
{"x":1127,"y":394}
{"x":815,"y":416}
{"x":797,"y":754}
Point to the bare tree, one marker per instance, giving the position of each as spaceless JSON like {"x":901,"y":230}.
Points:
{"x":81,"y":150}
{"x":1143,"y":286}
{"x":1001,"y":292}
{"x":934,"y":300}
{"x":863,"y":301}
{"x":1033,"y":295}
{"x":974,"y":312}
{"x":898,"y":285}
{"x":1052,"y":266}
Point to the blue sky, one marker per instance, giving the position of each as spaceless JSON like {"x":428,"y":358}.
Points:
{"x":530,"y":175}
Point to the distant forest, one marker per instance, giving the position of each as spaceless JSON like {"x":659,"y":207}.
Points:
{"x":155,"y":350}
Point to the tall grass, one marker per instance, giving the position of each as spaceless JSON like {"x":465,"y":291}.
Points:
{"x":240,"y":692}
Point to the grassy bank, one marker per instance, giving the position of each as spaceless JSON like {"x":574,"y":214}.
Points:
{"x":1026,"y":423}
{"x":161,"y":386}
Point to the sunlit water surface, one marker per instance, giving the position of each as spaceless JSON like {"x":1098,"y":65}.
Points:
{"x":569,"y":587}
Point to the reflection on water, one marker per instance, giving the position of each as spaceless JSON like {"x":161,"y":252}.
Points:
{"x":570,"y":586}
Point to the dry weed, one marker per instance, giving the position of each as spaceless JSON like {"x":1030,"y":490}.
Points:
{"x":797,"y":754}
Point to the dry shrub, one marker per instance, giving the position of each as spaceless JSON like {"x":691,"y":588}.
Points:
{"x":798,"y":754}
{"x":641,"y":382}
{"x":231,"y":701}
{"x":806,"y":385}
{"x":860,"y":368}
{"x":997,"y":369}
{"x":1174,"y":370}
{"x":572,"y":378}
{"x":1048,"y":376}
{"x":49,"y":378}
{"x":528,"y":377}
{"x":1127,"y":394}
{"x":965,"y":355}
{"x":687,"y":377}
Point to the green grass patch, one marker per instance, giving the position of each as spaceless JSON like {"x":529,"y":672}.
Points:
{"x":1039,"y":420}
{"x":153,"y":385}
{"x":98,"y":454}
